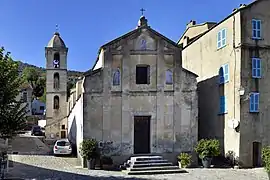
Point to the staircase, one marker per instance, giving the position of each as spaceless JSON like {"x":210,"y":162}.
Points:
{"x":145,"y":165}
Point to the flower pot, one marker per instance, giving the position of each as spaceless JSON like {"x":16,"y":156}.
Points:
{"x":91,"y":163}
{"x":206,"y":162}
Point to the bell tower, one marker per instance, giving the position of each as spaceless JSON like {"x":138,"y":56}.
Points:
{"x":56,"y":87}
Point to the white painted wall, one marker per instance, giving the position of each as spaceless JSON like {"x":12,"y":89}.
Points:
{"x":75,"y":124}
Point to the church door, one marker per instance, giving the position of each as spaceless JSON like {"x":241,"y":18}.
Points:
{"x":142,"y":134}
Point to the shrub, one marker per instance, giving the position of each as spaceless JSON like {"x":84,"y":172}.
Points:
{"x":266,"y":158}
{"x":89,"y":148}
{"x":207,"y":148}
{"x":184,"y":159}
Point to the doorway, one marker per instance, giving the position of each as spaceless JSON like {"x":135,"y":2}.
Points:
{"x":142,"y":134}
{"x":256,"y":154}
{"x":63,"y":134}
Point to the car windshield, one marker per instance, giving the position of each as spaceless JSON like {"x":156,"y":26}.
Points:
{"x":37,"y":128}
{"x":62,"y":143}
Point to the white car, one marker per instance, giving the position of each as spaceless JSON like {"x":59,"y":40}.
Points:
{"x":62,"y":147}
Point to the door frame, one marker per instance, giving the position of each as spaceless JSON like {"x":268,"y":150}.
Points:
{"x":149,"y":119}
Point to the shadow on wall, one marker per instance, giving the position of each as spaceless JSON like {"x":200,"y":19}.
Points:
{"x":32,"y":172}
{"x":72,"y":136}
{"x":211,"y":103}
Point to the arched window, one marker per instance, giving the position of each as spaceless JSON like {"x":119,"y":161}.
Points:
{"x":116,"y":78}
{"x":56,"y":102}
{"x":56,"y":82}
{"x":56,"y":60}
{"x":169,"y":77}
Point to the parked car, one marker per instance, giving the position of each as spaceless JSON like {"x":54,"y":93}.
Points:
{"x":62,"y":147}
{"x":36,"y":131}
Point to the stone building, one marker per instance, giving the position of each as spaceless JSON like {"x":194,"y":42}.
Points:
{"x":231,"y":60}
{"x":137,"y":99}
{"x":56,"y":87}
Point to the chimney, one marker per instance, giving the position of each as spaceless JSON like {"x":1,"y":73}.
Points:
{"x":186,"y":41}
{"x":191,"y":23}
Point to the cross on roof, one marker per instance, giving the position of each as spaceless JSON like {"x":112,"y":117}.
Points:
{"x":56,"y":28}
{"x":142,"y":10}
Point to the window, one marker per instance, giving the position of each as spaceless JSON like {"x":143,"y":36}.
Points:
{"x":254,"y":102}
{"x":256,"y":28}
{"x":224,"y":74}
{"x":142,"y":74}
{"x":56,"y":60}
{"x":256,"y":67}
{"x":56,"y":102}
{"x":63,"y":126}
{"x":56,"y":83}
{"x":223,"y":105}
{"x":169,"y":77}
{"x":116,"y":78}
{"x":221,"y":38}
{"x":41,"y":108}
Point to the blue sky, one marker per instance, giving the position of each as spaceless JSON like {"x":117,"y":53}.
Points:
{"x":85,"y":25}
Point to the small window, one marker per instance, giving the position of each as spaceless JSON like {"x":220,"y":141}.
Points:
{"x":142,"y":74}
{"x":116,"y":77}
{"x":223,"y":105}
{"x":56,"y":102}
{"x":224,"y":74}
{"x":56,"y":83}
{"x":254,"y":102}
{"x":63,"y":127}
{"x":56,"y":60}
{"x":256,"y":67}
{"x":256,"y":28}
{"x":221,"y":38}
{"x":41,"y":108}
{"x":169,"y":77}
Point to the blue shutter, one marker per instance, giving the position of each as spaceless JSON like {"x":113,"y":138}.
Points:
{"x":219,"y":39}
{"x":226,"y":73}
{"x":222,"y":105}
{"x":254,"y":32}
{"x":223,"y":37}
{"x":258,"y":66}
{"x":221,"y":75}
{"x":254,"y":63}
{"x":251,"y":103}
{"x":258,"y":35}
{"x":225,"y":105}
{"x":256,"y":102}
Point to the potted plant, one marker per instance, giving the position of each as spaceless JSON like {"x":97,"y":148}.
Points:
{"x":89,"y":152}
{"x":107,"y":163}
{"x":266,"y":159}
{"x":207,"y":149}
{"x":184,"y":160}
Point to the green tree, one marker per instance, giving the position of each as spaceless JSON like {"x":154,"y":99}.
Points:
{"x":36,"y":81}
{"x":12,"y":111}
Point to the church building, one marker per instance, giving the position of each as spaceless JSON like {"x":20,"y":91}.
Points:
{"x":137,"y":98}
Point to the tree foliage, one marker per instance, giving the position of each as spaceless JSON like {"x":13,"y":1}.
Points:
{"x":12,"y":111}
{"x":36,"y":81}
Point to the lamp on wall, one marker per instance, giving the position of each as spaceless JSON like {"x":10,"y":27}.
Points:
{"x":241,"y":91}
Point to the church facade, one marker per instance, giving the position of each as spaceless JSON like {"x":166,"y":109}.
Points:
{"x":137,"y":99}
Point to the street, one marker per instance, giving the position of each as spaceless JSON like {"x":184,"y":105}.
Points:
{"x":34,"y":162}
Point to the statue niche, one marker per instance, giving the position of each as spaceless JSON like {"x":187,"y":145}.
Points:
{"x":56,"y":83}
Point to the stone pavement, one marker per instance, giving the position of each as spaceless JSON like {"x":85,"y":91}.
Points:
{"x":45,"y":167}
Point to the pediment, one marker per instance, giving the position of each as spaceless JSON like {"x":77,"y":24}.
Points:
{"x":144,"y":42}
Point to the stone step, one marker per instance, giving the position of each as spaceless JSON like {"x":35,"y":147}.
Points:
{"x":150,"y":165}
{"x":151,"y":161}
{"x":153,"y":168}
{"x":171,"y":171}
{"x":145,"y":158}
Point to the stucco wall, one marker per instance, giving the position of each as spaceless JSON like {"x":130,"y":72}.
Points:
{"x":109,"y":110}
{"x":205,"y":59}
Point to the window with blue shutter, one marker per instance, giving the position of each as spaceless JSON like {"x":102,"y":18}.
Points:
{"x":223,"y":105}
{"x":224,"y":74}
{"x":221,"y":38}
{"x":256,"y":68}
{"x":254,"y":102}
{"x":256,"y":28}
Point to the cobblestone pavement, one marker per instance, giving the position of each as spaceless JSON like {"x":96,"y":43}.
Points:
{"x":45,"y":167}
